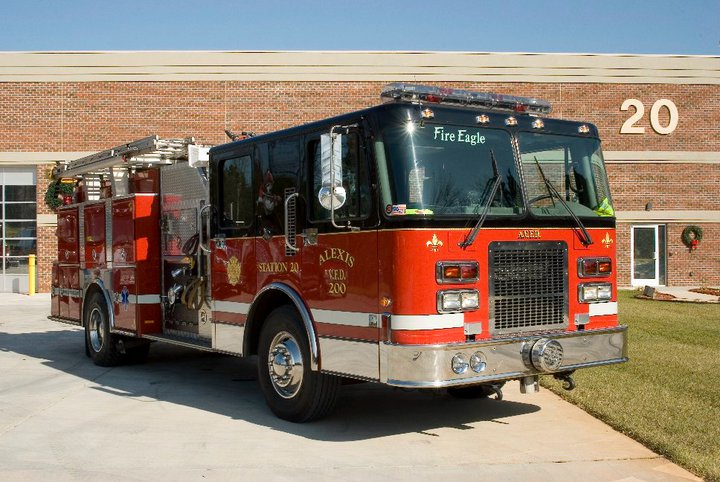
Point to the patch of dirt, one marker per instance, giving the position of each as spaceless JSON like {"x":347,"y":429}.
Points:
{"x":707,"y":291}
{"x":656,"y":296}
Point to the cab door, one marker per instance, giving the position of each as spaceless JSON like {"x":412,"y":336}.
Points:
{"x":340,"y":258}
{"x":277,"y":247}
{"x":233,"y":274}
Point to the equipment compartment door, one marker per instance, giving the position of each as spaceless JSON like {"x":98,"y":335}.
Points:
{"x":124,"y":299}
{"x":95,"y":235}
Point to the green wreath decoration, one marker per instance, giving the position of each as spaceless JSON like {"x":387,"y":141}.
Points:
{"x":690,"y":234}
{"x":56,"y":191}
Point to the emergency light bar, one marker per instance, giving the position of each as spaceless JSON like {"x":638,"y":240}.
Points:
{"x":415,"y":93}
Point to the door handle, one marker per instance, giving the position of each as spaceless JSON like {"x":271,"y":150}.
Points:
{"x":287,"y":224}
{"x":201,"y":240}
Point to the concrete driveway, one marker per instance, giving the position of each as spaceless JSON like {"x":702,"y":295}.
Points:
{"x":187,"y":415}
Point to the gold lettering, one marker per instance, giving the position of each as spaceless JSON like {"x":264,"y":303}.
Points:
{"x":274,"y":267}
{"x":336,"y":274}
{"x":339,"y":254}
{"x":529,"y":234}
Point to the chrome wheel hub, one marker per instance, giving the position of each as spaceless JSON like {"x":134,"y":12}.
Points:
{"x":285,"y":365}
{"x":95,"y":330}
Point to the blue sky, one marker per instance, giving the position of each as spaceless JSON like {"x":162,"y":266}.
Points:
{"x":602,"y":26}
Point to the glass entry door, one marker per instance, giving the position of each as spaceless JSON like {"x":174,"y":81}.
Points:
{"x":18,"y":221}
{"x":645,"y":255}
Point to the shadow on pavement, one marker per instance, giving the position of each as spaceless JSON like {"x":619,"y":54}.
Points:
{"x":226,"y":385}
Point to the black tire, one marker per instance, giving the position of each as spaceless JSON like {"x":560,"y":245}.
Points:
{"x":471,"y":392}
{"x":100,"y":343}
{"x":292,"y":390}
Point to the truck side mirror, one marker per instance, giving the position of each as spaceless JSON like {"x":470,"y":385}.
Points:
{"x":332,"y":194}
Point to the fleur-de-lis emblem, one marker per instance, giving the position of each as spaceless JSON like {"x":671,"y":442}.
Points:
{"x":434,"y":244}
{"x":607,"y":240}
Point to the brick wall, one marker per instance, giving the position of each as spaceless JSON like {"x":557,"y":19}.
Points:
{"x":46,"y":238}
{"x":90,"y":116}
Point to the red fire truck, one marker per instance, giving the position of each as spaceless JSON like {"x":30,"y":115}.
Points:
{"x":442,"y":239}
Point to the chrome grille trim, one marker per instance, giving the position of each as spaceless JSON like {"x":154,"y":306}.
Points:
{"x":528,"y":286}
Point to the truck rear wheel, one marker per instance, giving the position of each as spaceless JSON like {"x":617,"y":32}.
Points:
{"x":100,"y":343}
{"x":292,"y":390}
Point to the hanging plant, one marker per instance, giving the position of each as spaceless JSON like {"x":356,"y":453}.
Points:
{"x":691,"y":236}
{"x":56,"y":192}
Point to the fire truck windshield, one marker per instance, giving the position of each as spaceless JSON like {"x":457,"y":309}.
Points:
{"x":447,"y":170}
{"x":573,"y":166}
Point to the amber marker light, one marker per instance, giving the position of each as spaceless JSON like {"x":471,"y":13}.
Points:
{"x":594,"y":267}
{"x":456,"y":272}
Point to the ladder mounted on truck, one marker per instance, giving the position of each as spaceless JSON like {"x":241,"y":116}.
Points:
{"x":151,"y":151}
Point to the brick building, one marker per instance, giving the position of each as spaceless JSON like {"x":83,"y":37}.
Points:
{"x":658,"y":117}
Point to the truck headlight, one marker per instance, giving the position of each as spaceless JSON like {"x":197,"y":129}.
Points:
{"x":459,"y":364}
{"x":450,"y":301}
{"x":594,"y":292}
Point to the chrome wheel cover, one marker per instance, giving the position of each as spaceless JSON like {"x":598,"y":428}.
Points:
{"x":285,"y":365}
{"x":95,"y":323}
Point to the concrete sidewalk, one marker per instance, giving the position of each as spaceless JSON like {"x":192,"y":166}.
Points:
{"x":189,"y":415}
{"x":684,"y":293}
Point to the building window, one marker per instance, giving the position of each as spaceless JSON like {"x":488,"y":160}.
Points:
{"x":18,"y":225}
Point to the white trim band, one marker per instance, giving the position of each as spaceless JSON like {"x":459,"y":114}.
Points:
{"x":231,"y":307}
{"x":147,"y":299}
{"x":664,"y":157}
{"x":669,"y":216}
{"x":411,"y":66}
{"x":346,"y":318}
{"x":600,"y":309}
{"x":427,"y":322}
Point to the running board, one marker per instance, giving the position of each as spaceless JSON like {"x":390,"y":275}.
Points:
{"x":198,"y":344}
{"x":67,"y":321}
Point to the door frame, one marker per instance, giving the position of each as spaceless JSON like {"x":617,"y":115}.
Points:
{"x":644,"y":281}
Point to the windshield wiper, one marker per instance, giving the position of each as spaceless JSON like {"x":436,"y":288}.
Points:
{"x":470,"y":239}
{"x":587,"y":240}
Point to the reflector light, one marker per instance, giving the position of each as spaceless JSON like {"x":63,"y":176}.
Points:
{"x":594,"y":267}
{"x":469,"y":272}
{"x":447,"y":272}
{"x":422,"y":93}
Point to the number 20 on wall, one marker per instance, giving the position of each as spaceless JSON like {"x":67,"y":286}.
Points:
{"x":629,"y":126}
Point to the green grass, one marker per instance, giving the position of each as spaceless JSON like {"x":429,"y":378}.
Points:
{"x":667,"y":396}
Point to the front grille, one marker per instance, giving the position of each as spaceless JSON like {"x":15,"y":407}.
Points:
{"x":528,"y":286}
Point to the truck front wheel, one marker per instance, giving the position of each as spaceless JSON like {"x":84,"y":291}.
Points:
{"x":100,"y":344}
{"x":292,"y":390}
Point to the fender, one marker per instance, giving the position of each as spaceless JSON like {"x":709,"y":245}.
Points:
{"x":111,"y":313}
{"x":304,"y":315}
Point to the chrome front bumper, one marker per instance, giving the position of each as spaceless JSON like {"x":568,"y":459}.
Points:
{"x":429,"y":366}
